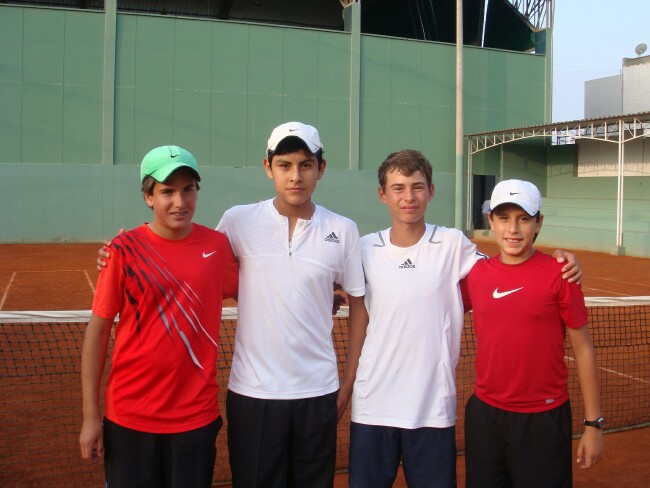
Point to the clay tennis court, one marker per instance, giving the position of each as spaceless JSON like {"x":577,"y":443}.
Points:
{"x":41,"y":409}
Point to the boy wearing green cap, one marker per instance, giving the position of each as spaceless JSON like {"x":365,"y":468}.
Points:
{"x":167,"y":281}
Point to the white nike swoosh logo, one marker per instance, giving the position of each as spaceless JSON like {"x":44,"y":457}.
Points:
{"x":497,"y":294}
{"x":208,"y":254}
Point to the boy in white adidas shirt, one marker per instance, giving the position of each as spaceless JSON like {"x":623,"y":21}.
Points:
{"x":404,"y":396}
{"x":282,"y":394}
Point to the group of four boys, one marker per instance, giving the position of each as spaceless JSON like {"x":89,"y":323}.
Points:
{"x":280,"y":258}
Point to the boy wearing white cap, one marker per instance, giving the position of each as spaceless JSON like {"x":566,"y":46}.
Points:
{"x":282,"y":394}
{"x":166,"y":281}
{"x":518,"y":421}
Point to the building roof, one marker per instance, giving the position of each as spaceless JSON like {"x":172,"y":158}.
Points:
{"x":600,"y":128}
{"x":503,"y":24}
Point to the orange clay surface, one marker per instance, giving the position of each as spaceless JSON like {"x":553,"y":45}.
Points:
{"x":62,"y":277}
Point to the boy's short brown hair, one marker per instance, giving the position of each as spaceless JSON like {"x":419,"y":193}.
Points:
{"x":406,"y":162}
{"x":149,"y":182}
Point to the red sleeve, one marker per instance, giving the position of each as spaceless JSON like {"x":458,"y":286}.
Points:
{"x":109,"y":295}
{"x":572,"y":305}
{"x":464,"y":290}
{"x":231,"y":273}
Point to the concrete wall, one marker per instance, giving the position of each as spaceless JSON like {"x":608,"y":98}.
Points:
{"x":604,"y":97}
{"x":600,"y":158}
{"x":636,"y":85}
{"x":627,"y":93}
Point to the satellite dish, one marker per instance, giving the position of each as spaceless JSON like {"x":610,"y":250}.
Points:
{"x":640,"y":49}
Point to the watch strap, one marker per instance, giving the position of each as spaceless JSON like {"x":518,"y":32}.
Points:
{"x":599,"y":423}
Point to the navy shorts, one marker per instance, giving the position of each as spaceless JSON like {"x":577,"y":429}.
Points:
{"x":428,"y":456}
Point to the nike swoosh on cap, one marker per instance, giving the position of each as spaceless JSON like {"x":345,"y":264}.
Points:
{"x":208,"y":254}
{"x":497,"y":294}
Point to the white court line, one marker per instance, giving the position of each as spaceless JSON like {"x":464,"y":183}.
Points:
{"x":606,"y":291}
{"x":53,"y":271}
{"x":4,"y":295}
{"x":617,"y":281}
{"x":90,"y":282}
{"x":13,"y":275}
{"x":640,"y":380}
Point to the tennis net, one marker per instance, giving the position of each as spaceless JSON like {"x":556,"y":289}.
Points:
{"x":40,"y":393}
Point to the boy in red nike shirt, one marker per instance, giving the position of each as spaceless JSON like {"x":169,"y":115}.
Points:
{"x":167,"y":281}
{"x":518,"y":422}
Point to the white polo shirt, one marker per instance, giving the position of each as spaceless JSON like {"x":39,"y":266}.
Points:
{"x":283,"y":342}
{"x":407,"y":370}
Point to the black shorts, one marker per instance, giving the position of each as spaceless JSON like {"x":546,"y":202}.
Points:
{"x":282,"y":443}
{"x":134,"y":459}
{"x":510,"y":449}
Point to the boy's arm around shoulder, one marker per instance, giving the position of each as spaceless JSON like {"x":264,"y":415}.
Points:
{"x":104,"y":254}
{"x":590,"y":447}
{"x":357,"y":327}
{"x":93,"y":360}
{"x":572,"y":270}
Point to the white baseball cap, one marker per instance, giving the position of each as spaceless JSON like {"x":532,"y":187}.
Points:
{"x":307,"y":133}
{"x":522,"y":193}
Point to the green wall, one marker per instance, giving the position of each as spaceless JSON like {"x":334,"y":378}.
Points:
{"x":579,"y":212}
{"x":582,"y":211}
{"x":50,"y":86}
{"x":525,"y":162}
{"x":218,"y":88}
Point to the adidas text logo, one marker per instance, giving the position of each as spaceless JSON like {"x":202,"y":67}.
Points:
{"x":332,"y":238}
{"x":407,"y":264}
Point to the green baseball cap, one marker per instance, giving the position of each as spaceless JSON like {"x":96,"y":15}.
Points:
{"x":162,"y":161}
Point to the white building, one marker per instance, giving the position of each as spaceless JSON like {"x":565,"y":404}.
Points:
{"x":627,"y":93}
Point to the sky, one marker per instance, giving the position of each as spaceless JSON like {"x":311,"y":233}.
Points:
{"x":590,"y":40}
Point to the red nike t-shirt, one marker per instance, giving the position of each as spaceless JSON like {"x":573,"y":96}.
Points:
{"x":168,"y":294}
{"x":519,"y":315}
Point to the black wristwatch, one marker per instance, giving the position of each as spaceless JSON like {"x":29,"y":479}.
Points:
{"x":599,"y":423}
